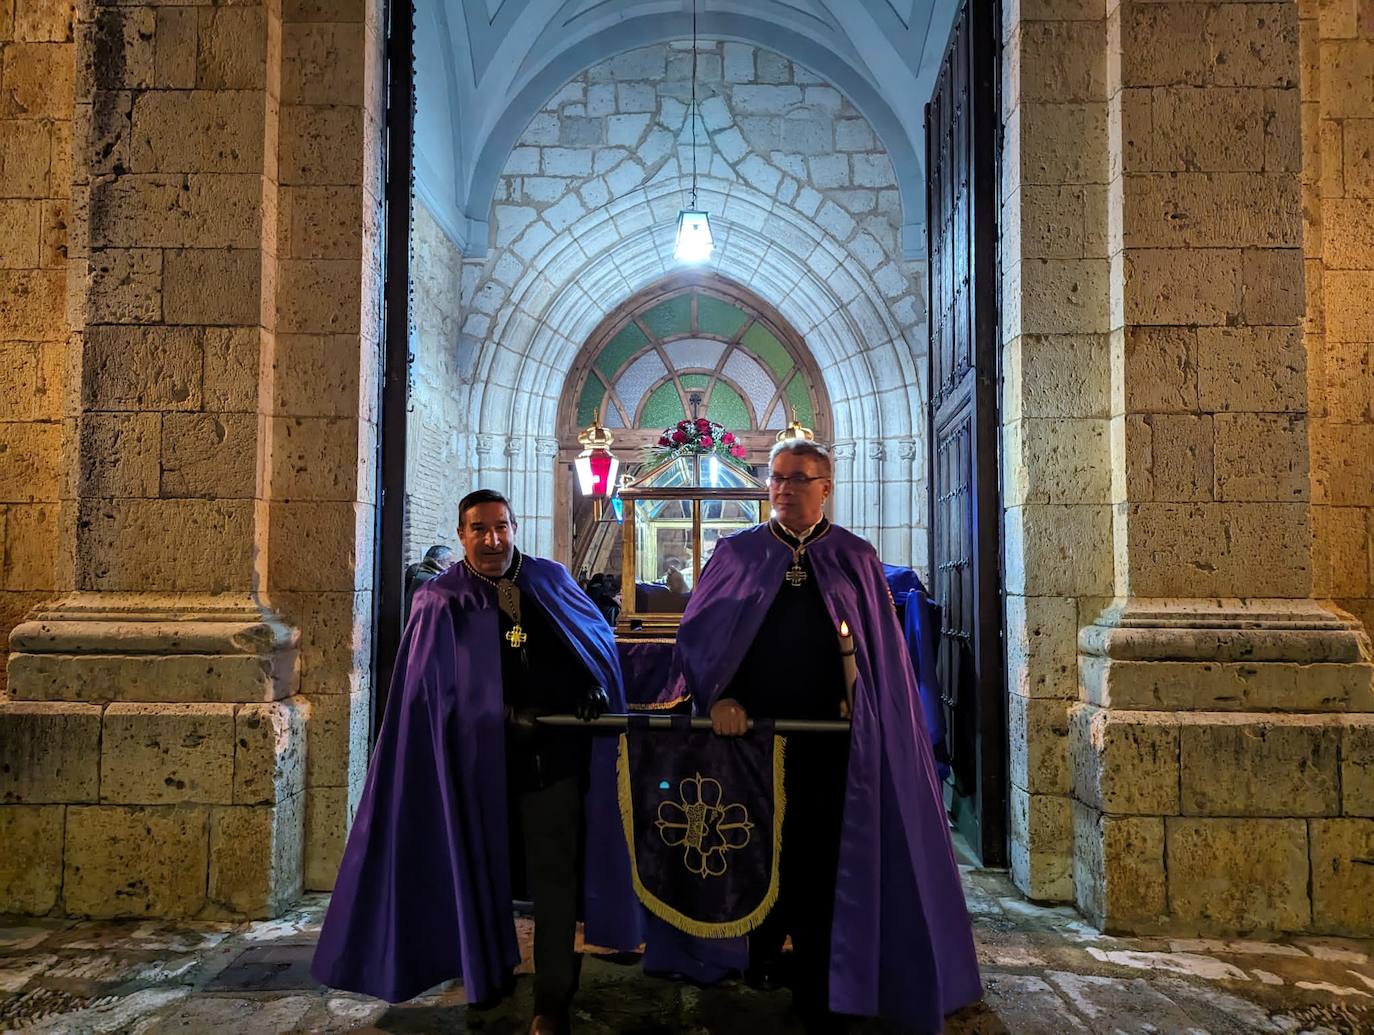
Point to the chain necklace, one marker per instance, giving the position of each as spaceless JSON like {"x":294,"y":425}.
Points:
{"x":796,"y":574}
{"x":507,"y":599}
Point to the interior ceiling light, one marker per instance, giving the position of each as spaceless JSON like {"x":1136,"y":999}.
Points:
{"x":694,"y":241}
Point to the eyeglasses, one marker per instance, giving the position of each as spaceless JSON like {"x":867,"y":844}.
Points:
{"x":797,"y":481}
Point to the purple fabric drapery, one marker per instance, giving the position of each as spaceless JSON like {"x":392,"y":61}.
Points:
{"x":902,"y":944}
{"x":645,"y":665}
{"x":424,"y":892}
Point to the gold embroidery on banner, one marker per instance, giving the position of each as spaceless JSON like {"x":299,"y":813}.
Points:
{"x":661,"y":909}
{"x":705,"y":828}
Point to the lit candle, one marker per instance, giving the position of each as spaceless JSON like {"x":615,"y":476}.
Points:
{"x":851,"y":670}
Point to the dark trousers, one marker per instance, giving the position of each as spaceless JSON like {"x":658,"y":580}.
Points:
{"x":814,"y":779}
{"x":551,"y":826}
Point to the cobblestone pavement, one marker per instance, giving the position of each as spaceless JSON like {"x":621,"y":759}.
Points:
{"x":1044,"y":971}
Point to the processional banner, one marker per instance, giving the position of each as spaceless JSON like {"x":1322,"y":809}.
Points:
{"x":703,"y":821}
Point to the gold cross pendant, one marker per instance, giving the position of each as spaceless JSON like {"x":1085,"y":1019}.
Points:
{"x":795,"y":576}
{"x":516,"y":637}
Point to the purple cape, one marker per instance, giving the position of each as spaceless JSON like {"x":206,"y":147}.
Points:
{"x":424,"y":891}
{"x":902,"y":945}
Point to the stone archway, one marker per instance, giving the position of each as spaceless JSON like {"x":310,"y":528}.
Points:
{"x":692,"y":344}
{"x":814,"y":231}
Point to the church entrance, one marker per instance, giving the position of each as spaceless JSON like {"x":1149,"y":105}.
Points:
{"x":553,"y":301}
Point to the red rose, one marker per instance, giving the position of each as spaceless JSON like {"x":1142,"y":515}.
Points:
{"x":728,"y":439}
{"x":737,"y":451}
{"x":663,"y":440}
{"x":707,"y":442}
{"x":679,"y":436}
{"x":685,"y":425}
{"x":703,"y":425}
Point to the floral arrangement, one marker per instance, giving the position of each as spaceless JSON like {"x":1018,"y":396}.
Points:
{"x":699,"y":436}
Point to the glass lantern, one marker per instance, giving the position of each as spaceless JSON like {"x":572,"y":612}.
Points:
{"x":674,"y":514}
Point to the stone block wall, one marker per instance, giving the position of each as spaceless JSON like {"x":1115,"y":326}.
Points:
{"x":1218,"y":699}
{"x":1056,"y":344}
{"x":320,"y":491}
{"x":439,"y":422}
{"x":217,"y":395}
{"x":38,"y":55}
{"x":1337,"y":74}
{"x":130,"y":809}
{"x":1228,"y":794}
{"x":805,"y":210}
{"x":1163,"y":546}
{"x":1209,"y":409}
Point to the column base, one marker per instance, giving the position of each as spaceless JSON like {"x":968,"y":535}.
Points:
{"x":152,"y":760}
{"x":101,"y":647}
{"x":1223,"y":768}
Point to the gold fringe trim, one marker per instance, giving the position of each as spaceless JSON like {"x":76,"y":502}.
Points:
{"x":657,"y":706}
{"x":661,"y":909}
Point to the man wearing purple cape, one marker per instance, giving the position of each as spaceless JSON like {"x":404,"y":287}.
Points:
{"x":870,"y":891}
{"x":455,"y":794}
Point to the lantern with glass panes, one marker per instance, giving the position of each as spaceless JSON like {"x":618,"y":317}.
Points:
{"x":596,"y":466}
{"x":674,"y":514}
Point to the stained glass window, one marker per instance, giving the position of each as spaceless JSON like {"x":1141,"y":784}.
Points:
{"x":695,"y":346}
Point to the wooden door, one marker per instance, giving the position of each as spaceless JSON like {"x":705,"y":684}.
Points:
{"x":388,"y":598}
{"x":962,"y":133}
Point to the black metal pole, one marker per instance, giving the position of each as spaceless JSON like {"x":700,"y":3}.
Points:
{"x":619,"y":720}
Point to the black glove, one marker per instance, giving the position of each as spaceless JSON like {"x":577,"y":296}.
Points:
{"x":594,"y":704}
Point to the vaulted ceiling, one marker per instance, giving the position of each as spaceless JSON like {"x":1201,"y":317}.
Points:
{"x":485,"y":67}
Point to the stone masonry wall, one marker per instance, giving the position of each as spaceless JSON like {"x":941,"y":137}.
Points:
{"x":438,"y":419}
{"x":38,"y":57}
{"x":1209,"y":404}
{"x":805,"y":210}
{"x":36,"y":107}
{"x":224,"y":268}
{"x":325,"y":383}
{"x":1215,"y":716}
{"x":1337,"y":87}
{"x":1338,"y":237}
{"x":1056,"y":401}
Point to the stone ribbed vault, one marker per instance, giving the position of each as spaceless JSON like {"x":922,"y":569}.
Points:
{"x":812,"y":231}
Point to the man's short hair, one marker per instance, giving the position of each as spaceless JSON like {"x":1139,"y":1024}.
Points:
{"x":803,"y":447}
{"x":437,"y":552}
{"x":477,"y":498}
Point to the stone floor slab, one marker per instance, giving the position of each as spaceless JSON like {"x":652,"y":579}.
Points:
{"x":1044,"y":970}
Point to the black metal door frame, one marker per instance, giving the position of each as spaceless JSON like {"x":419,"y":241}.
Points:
{"x":963,"y":137}
{"x":393,"y":401}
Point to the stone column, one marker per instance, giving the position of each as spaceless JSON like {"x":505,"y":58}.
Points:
{"x":1056,"y":482}
{"x":325,"y":391}
{"x":35,"y":182}
{"x":1215,"y":722}
{"x":1337,"y":86}
{"x":222,"y":281}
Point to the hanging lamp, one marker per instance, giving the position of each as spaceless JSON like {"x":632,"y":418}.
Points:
{"x":694,"y":241}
